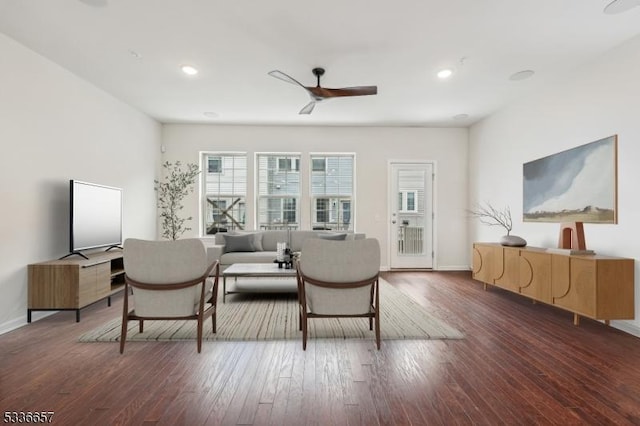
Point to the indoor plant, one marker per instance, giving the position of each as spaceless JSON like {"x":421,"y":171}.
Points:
{"x":177,"y":183}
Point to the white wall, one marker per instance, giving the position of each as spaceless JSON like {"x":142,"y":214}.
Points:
{"x":55,"y":127}
{"x":600,"y":100}
{"x":373,"y":148}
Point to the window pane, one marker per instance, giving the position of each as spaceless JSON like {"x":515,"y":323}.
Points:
{"x":225,"y":191}
{"x":278,"y":191}
{"x":318,"y":164}
{"x":215,"y":164}
{"x":411,"y":201}
{"x":332,"y":191}
{"x":322,"y":207}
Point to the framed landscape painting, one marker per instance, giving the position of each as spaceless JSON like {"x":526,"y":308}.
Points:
{"x":577,"y":185}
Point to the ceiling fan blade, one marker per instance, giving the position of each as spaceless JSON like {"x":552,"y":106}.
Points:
{"x":284,"y":77}
{"x":323,"y":92}
{"x":308,"y":108}
{"x":620,"y":6}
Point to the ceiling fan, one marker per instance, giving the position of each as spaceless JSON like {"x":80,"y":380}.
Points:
{"x":620,"y":6}
{"x":318,"y":93}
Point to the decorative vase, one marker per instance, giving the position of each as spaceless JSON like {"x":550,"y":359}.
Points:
{"x":512,"y":241}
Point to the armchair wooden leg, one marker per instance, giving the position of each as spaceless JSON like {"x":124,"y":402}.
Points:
{"x":200,"y":333}
{"x":141,"y":326}
{"x":370,"y":323}
{"x":377,"y":329}
{"x":123,"y":333}
{"x":304,"y":332}
{"x":213,"y":320}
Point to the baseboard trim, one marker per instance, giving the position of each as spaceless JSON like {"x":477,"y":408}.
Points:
{"x":453,"y":268}
{"x":626,"y":327}
{"x":12,"y":325}
{"x":22,"y":321}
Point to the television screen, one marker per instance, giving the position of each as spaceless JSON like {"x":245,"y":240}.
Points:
{"x":96,"y":216}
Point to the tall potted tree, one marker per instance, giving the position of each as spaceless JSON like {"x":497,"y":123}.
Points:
{"x":177,"y":183}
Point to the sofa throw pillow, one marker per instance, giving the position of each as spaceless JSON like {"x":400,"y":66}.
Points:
{"x":257,"y":242}
{"x":334,"y":237}
{"x":239,"y":243}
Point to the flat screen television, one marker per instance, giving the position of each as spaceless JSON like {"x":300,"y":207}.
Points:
{"x":96,"y":216}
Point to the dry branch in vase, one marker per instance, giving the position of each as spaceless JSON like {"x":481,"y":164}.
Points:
{"x":489,"y":215}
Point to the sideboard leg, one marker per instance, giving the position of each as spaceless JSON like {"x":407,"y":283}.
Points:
{"x":576,"y":319}
{"x":607,"y":322}
{"x":484,"y":286}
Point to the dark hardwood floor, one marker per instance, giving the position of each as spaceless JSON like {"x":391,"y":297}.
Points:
{"x":519,"y":363}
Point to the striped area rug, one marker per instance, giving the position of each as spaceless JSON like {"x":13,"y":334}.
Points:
{"x":275,"y":317}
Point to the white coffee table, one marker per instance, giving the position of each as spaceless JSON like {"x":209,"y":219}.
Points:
{"x":263,"y":270}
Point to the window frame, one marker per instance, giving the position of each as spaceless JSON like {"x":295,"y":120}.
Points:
{"x":295,"y":160}
{"x":339,"y":197}
{"x":240,"y":207}
{"x":404,"y":201}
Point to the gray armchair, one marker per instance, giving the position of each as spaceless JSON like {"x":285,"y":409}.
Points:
{"x":170,"y":280}
{"x":339,"y":279}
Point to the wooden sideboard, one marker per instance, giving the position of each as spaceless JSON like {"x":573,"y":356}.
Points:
{"x":73,"y":283}
{"x":593,"y":286}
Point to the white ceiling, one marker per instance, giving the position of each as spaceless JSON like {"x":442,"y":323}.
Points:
{"x":397,"y":45}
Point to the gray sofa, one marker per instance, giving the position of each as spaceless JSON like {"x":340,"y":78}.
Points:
{"x":260,"y":246}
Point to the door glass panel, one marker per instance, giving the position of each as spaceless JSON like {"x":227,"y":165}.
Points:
{"x":411,"y":213}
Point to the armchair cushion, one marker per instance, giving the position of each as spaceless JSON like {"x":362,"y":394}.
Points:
{"x":166,"y":262}
{"x":170,"y":303}
{"x":333,"y":301}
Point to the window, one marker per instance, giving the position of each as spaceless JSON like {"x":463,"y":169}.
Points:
{"x":278,"y":191}
{"x":322,"y":210}
{"x":332,"y":191}
{"x":224,"y":192}
{"x":288,"y":164}
{"x":408,"y":201}
{"x":318,"y":164}
{"x":214,"y":164}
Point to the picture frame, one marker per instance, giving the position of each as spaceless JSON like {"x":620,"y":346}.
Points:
{"x":576,"y":185}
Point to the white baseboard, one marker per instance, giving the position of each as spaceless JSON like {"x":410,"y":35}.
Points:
{"x":12,"y":325}
{"x":439,"y":268}
{"x":626,"y":327}
{"x":453,"y":268}
{"x":22,"y":321}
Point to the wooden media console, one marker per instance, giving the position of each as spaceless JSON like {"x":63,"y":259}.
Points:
{"x":593,"y":286}
{"x":73,"y":283}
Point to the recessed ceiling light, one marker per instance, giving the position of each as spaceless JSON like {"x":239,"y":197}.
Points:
{"x":95,"y":3}
{"x":521,"y":75}
{"x":135,"y":54}
{"x":210,"y":114}
{"x":189,"y":70}
{"x":620,"y":6}
{"x":445,"y":73}
{"x":461,"y":116}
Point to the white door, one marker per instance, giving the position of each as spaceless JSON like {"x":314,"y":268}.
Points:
{"x":411,"y":215}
